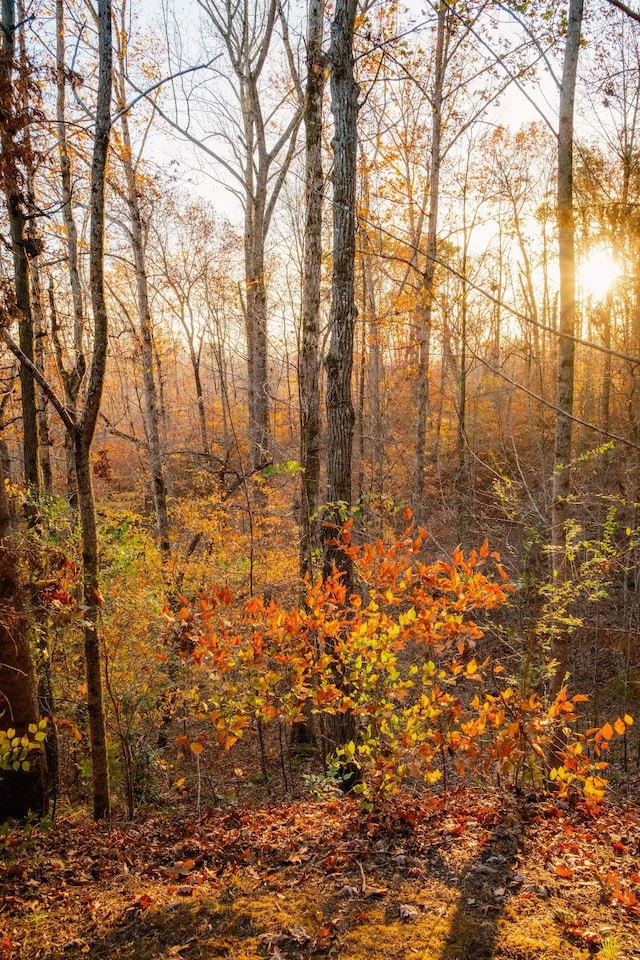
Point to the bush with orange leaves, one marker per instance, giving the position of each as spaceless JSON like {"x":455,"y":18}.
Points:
{"x":403,"y":654}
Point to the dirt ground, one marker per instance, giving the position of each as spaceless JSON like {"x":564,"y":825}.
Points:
{"x":472,"y":876}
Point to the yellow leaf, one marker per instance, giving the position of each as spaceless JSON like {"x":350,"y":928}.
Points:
{"x":620,"y":726}
{"x":628,"y":720}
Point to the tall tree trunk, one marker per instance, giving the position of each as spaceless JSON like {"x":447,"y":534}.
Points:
{"x":40,"y":330}
{"x":309,"y":363}
{"x":82,"y":427}
{"x":73,"y":375}
{"x":12,"y":182}
{"x":37,"y":308}
{"x":560,"y":509}
{"x":86,"y":425}
{"x":376,"y":374}
{"x":339,"y":359}
{"x":427,"y":293}
{"x":151,"y":410}
{"x":256,"y":330}
{"x":71,"y":380}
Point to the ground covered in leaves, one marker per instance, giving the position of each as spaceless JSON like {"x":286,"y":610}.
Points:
{"x":467,"y":877}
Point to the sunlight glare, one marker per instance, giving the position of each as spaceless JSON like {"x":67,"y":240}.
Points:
{"x":597,"y":274}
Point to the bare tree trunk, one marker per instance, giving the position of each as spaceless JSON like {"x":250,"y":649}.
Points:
{"x":376,"y":373}
{"x":73,"y":376}
{"x":82,"y":427}
{"x":309,"y":363}
{"x":427,"y":292}
{"x":158,"y":485}
{"x":560,"y":510}
{"x":246,"y":30}
{"x":71,"y":381}
{"x":15,"y":198}
{"x":86,"y":425}
{"x":339,"y":359}
{"x":607,"y":372}
{"x":40,"y":330}
{"x":39,"y":326}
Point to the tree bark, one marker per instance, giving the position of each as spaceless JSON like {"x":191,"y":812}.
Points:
{"x":12,"y":182}
{"x":309,"y":363}
{"x":339,"y":359}
{"x":151,"y":408}
{"x":86,"y":425}
{"x":73,"y":376}
{"x":560,"y":510}
{"x":425,"y":308}
{"x":246,"y":30}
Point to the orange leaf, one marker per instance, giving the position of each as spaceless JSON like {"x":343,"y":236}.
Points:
{"x":196,"y":748}
{"x":620,"y":726}
{"x":606,"y":732}
{"x":562,"y":871}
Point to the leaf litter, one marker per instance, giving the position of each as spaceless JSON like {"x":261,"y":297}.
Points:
{"x":476,"y":874}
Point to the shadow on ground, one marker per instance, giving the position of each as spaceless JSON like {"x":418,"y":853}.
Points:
{"x":434,"y":907}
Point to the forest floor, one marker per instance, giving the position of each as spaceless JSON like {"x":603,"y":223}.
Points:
{"x":470,"y":876}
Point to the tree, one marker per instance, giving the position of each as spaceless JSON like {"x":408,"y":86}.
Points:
{"x":72,"y":374}
{"x":133,"y":189}
{"x":339,"y":359}
{"x":258,"y":171}
{"x":309,"y":362}
{"x":560,"y":509}
{"x":13,"y":120}
{"x":81,"y":423}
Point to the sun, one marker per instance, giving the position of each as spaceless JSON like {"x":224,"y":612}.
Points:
{"x":598,"y":274}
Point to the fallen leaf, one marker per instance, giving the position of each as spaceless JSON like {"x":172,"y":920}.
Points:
{"x":347,"y":891}
{"x":376,"y":892}
{"x":408,"y":911}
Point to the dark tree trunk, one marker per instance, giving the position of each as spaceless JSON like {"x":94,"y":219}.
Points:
{"x":14,"y":190}
{"x":309,"y":374}
{"x":86,"y":425}
{"x":427,"y":291}
{"x":73,"y":375}
{"x":561,"y":510}
{"x":339,"y":359}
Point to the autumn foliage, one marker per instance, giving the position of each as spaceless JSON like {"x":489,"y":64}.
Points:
{"x":407,"y":653}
